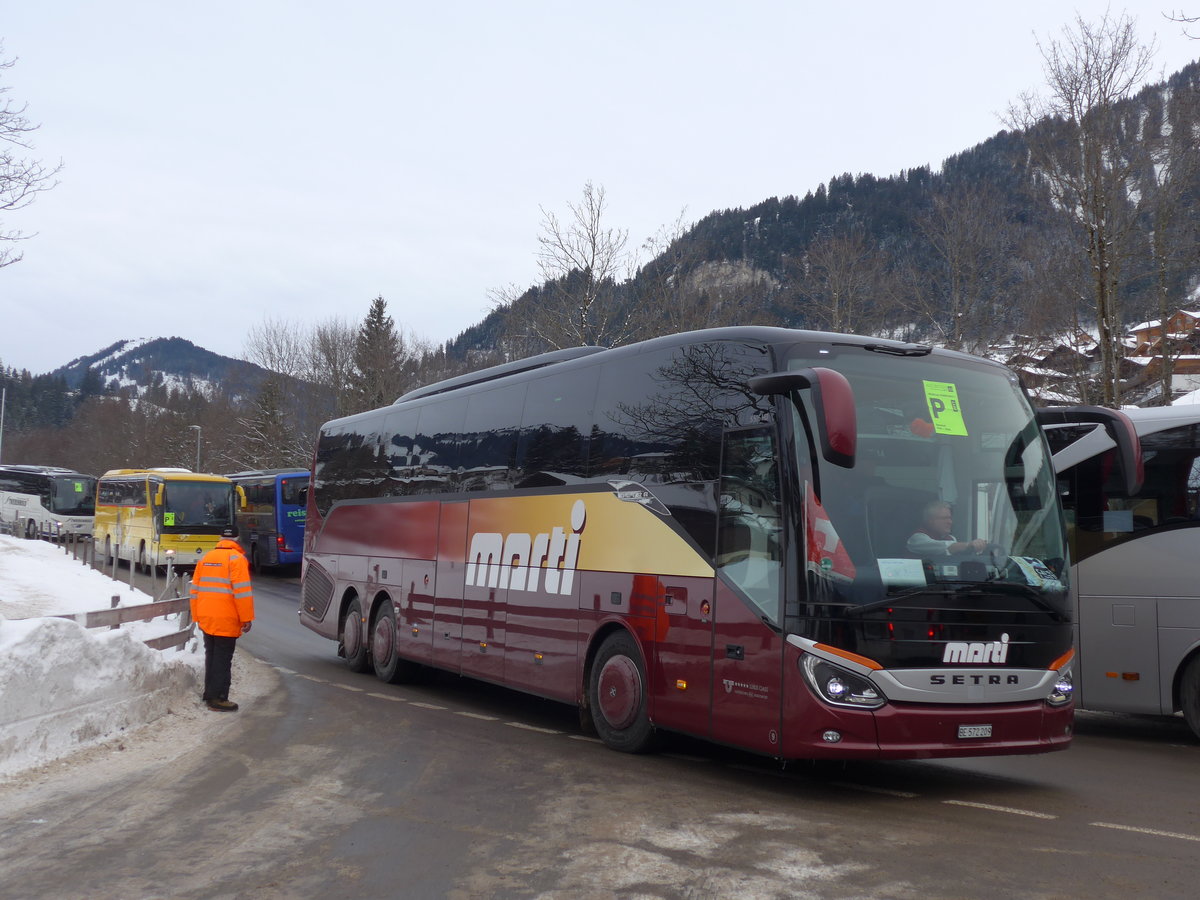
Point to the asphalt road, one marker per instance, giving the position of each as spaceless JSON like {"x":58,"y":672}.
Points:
{"x":336,"y":785}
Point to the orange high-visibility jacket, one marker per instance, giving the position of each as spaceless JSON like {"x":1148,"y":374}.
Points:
{"x":221,"y":597}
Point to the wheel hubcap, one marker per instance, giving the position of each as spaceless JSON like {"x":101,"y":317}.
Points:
{"x":620,"y":692}
{"x":382,"y":648}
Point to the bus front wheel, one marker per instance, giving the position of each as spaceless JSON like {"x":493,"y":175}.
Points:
{"x":389,"y":667}
{"x":354,"y":646}
{"x":1189,"y":695}
{"x":617,"y":695}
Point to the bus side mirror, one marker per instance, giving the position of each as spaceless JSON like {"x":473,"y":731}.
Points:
{"x":1117,"y":426}
{"x":241,"y":497}
{"x":833,"y":402}
{"x":160,"y":494}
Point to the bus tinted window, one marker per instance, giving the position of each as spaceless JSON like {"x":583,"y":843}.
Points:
{"x":488,"y":450}
{"x":437,"y":445}
{"x":1099,"y":512}
{"x":552,"y":448}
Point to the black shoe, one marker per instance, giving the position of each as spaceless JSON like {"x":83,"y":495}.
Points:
{"x":222,"y":705}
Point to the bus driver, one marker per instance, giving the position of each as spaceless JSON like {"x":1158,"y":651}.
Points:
{"x":933,"y":538}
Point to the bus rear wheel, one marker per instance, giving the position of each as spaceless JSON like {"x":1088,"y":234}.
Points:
{"x":31,"y":530}
{"x":617,"y":696}
{"x":389,"y":667}
{"x":1189,"y":695}
{"x":354,"y":639}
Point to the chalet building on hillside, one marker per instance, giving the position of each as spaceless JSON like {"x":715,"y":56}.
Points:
{"x":1052,"y":370}
{"x":1180,"y":333}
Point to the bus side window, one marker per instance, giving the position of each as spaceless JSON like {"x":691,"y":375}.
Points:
{"x":750,"y":517}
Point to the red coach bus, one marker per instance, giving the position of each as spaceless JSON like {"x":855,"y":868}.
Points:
{"x":708,"y":533}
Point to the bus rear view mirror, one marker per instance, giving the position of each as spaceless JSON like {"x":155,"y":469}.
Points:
{"x":1117,"y":426}
{"x":241,"y":497}
{"x":159,"y":494}
{"x":833,"y":403}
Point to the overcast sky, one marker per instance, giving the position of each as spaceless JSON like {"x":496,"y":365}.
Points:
{"x":227,"y":162}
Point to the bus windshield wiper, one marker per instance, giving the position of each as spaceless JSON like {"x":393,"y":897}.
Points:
{"x":960,"y":589}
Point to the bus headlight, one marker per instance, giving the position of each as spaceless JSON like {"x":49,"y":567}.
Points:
{"x":1064,"y":689}
{"x":839,"y":686}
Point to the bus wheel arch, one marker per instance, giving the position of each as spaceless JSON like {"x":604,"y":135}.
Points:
{"x":617,"y":693}
{"x":1188,"y":691}
{"x":352,"y":634}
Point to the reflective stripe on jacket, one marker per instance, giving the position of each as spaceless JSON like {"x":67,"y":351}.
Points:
{"x":222,"y":600}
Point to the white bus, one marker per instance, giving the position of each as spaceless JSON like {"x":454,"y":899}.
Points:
{"x":1134,"y":552}
{"x":44,"y":501}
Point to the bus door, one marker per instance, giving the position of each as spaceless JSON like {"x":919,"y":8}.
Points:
{"x":747,"y":652}
{"x":449,"y":582}
{"x":681,"y":676}
{"x":484,"y":598}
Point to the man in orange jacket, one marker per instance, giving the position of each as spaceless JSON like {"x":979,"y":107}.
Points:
{"x":223,"y":607}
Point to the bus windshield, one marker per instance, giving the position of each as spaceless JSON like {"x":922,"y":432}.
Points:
{"x":952,"y":485}
{"x":73,"y":496}
{"x":189,"y":505}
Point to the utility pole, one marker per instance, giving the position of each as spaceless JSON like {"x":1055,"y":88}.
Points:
{"x":197,"y":427}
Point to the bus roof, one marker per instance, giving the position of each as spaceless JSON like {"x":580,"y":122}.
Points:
{"x":166,"y":474}
{"x":262,"y":473}
{"x":583,"y":356}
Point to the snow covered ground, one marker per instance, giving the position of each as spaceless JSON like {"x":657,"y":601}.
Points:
{"x":65,"y":688}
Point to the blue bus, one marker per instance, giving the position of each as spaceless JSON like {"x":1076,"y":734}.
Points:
{"x":272,"y":522}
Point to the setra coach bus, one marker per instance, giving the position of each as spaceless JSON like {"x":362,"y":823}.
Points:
{"x":707,"y":533}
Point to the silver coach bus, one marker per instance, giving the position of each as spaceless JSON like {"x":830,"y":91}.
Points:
{"x":1134,"y":553}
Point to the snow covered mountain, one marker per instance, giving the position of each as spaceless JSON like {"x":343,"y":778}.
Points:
{"x":173,"y":363}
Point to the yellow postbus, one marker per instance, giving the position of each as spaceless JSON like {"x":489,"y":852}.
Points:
{"x":142,"y":515}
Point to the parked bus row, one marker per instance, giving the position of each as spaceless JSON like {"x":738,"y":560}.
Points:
{"x":147,"y":516}
{"x":711,"y":534}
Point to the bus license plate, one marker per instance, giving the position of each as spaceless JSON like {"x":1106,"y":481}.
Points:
{"x":974,"y":731}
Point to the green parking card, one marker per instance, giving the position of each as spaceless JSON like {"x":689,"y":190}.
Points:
{"x":944,"y":409}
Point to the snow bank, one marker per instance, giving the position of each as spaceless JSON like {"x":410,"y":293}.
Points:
{"x":64,"y":687}
{"x":67,"y":687}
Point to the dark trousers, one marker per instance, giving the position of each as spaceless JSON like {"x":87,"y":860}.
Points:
{"x":218,"y":666}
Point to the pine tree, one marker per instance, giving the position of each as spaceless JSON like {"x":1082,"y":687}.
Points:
{"x":378,"y":359}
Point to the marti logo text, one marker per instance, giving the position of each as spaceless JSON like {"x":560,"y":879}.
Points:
{"x":977,"y":652}
{"x":527,"y":562}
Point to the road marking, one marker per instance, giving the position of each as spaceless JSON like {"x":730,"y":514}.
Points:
{"x":871,"y":789}
{"x":585,"y":737}
{"x":346,"y":687}
{"x":1151,"y":831}
{"x":525,"y":727}
{"x":311,"y":678}
{"x":426,"y":705}
{"x":387,"y":697}
{"x":285,"y":671}
{"x":1003,"y":809}
{"x":472,"y":715}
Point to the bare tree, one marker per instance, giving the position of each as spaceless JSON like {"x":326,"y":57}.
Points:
{"x":21,"y":178}
{"x":1075,"y":139}
{"x":1169,"y":160}
{"x":581,"y":260}
{"x":331,"y":361}
{"x":840,"y":279}
{"x":968,"y":228}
